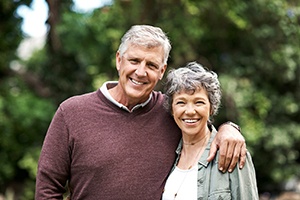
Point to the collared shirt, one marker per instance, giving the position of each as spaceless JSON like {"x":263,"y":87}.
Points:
{"x":213,"y":184}
{"x":104,"y":90}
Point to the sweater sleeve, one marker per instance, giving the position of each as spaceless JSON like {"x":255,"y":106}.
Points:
{"x":243,"y":182}
{"x":54,"y":161}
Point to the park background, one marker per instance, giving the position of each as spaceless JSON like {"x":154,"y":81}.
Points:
{"x":253,"y":45}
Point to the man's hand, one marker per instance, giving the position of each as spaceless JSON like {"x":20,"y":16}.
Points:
{"x":232,"y":148}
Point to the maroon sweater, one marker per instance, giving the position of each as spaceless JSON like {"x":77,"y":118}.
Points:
{"x":106,"y":152}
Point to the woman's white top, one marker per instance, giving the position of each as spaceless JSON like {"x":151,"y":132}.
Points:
{"x":181,"y":185}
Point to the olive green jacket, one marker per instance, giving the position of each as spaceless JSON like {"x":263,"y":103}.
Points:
{"x":215,"y":185}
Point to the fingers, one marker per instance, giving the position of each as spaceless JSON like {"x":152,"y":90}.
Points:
{"x":212,"y":151}
{"x":235,"y":158}
{"x":223,"y":157}
{"x":243,"y":156}
{"x":231,"y":154}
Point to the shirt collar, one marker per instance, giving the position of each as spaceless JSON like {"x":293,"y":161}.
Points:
{"x":105,"y":92}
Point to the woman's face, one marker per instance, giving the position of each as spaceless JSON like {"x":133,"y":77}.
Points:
{"x":191,"y":111}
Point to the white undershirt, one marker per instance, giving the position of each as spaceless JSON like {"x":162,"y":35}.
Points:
{"x":105,"y":92}
{"x":182,"y":182}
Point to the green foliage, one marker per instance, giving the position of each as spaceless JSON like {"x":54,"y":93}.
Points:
{"x":29,"y":163}
{"x":252,"y":45}
{"x":10,"y":33}
{"x":24,"y":118}
{"x":102,"y":41}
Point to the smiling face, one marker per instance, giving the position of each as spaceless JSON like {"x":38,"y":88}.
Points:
{"x":191,"y":111}
{"x":140,"y":68}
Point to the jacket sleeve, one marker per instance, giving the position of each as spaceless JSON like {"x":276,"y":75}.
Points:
{"x":243,"y":182}
{"x":54,"y":161}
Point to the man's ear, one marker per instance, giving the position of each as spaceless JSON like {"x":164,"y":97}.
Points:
{"x":118,"y":60}
{"x":162,"y":72}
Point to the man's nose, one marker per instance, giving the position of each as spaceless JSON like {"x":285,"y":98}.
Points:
{"x":141,"y":71}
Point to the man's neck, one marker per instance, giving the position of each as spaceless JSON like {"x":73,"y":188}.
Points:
{"x":118,"y":95}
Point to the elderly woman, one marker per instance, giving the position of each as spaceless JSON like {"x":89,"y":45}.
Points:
{"x":193,"y":97}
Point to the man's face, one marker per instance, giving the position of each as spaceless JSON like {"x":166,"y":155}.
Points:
{"x":140,"y":68}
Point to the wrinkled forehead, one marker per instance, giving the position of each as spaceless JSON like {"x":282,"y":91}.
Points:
{"x":144,"y":45}
{"x":154,"y":53}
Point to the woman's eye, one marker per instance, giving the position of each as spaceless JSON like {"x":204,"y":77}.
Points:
{"x":200,"y":102}
{"x":179,"y":103}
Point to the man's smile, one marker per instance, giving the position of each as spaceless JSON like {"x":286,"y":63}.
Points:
{"x":136,"y":82}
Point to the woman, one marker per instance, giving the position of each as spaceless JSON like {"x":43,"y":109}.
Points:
{"x":193,"y":97}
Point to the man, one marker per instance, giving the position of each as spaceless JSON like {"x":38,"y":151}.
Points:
{"x":118,"y":142}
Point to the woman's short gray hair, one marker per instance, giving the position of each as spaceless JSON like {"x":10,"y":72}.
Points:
{"x":190,"y":78}
{"x":147,"y":36}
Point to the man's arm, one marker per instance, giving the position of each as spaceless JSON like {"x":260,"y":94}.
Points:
{"x":54,"y":161}
{"x":232,"y":148}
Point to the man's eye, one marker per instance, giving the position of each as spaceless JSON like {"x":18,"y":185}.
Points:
{"x":152,"y":66}
{"x":134,"y":61}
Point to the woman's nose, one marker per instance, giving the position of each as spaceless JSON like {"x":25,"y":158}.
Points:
{"x":190,"y":110}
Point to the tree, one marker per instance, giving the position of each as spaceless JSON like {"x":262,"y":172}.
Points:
{"x":253,"y":46}
{"x":23,"y":115}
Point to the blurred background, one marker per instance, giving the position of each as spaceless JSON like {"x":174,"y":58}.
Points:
{"x":51,"y":50}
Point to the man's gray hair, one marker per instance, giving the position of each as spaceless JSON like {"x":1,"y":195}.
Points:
{"x":190,"y":78}
{"x":147,"y":36}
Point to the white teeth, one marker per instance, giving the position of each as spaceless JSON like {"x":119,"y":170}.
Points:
{"x":136,"y":82}
{"x":190,"y":120}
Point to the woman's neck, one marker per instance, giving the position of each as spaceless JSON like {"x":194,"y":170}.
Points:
{"x":192,"y":151}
